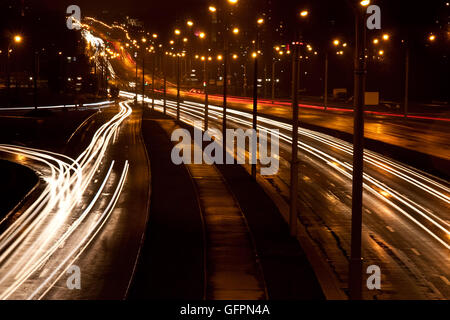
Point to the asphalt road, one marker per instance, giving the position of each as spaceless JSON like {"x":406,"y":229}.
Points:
{"x":406,"y":221}
{"x":77,"y":216}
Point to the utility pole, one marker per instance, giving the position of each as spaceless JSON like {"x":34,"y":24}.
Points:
{"x":35,"y":76}
{"x":178,"y":87}
{"x":294,"y":161}
{"x":225,"y":85}
{"x":206,"y":81}
{"x":406,"y":81}
{"x":355,"y":269}
{"x":153,"y":80}
{"x":273,"y":81}
{"x":143,"y":77}
{"x":164,"y":66}
{"x":325,"y":94}
{"x":255,"y":115}
{"x":136,"y":83}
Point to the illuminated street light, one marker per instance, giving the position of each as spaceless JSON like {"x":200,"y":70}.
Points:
{"x":432,"y":37}
{"x":212,"y":9}
{"x":177,"y":32}
{"x":277,"y":48}
{"x":203,"y":58}
{"x":336,"y":42}
{"x":235,"y":56}
{"x":376,"y":41}
{"x":365,"y":3}
{"x":385,"y":37}
{"x":219,"y":57}
{"x":202,"y":35}
{"x":190,"y":23}
{"x":381,"y":52}
{"x":185,"y":39}
{"x":260,"y":21}
{"x":254,"y":55}
{"x":304,"y":13}
{"x":17,"y":39}
{"x":236,"y":30}
{"x":144,"y":40}
{"x":171,"y":42}
{"x":233,"y":1}
{"x":155,"y":36}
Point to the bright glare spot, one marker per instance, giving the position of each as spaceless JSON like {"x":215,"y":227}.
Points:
{"x":365,"y":3}
{"x":304,"y":13}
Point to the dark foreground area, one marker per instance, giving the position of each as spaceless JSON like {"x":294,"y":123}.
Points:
{"x":15,"y":184}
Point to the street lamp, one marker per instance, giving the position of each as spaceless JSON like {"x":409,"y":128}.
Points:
{"x":236,"y":30}
{"x":190,"y":23}
{"x":212,"y":9}
{"x":355,"y":265}
{"x":432,"y":37}
{"x":304,"y":13}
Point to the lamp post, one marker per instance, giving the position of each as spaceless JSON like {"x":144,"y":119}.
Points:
{"x":355,"y":268}
{"x":255,"y":54}
{"x":144,"y":41}
{"x":136,"y":82}
{"x":16,"y":39}
{"x":225,"y":76}
{"x":295,"y":125}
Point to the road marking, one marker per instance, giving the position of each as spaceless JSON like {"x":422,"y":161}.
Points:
{"x":390,"y":229}
{"x":445,"y":280}
{"x":415,"y":251}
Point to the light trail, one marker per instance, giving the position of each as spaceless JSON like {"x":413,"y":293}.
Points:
{"x":434,"y":224}
{"x":55,"y":226}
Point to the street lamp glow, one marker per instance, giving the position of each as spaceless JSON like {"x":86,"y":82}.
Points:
{"x":17,"y":39}
{"x":212,"y":9}
{"x":365,"y":3}
{"x":219,"y":57}
{"x":190,"y":23}
{"x":304,"y":13}
{"x":171,"y":42}
{"x":177,"y":32}
{"x":280,"y":53}
{"x":432,"y":37}
{"x":235,"y":56}
{"x":203,"y":58}
{"x":233,"y":1}
{"x":336,"y":42}
{"x":236,"y":30}
{"x":385,"y":37}
{"x":376,"y":41}
{"x":202,"y":35}
{"x":185,"y":39}
{"x":155,"y":36}
{"x":254,"y":55}
{"x":209,"y":58}
{"x":381,"y":52}
{"x":144,"y":40}
{"x":260,"y":21}
{"x":277,"y":48}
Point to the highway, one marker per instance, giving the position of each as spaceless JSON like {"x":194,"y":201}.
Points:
{"x":406,"y":211}
{"x":75,"y":212}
